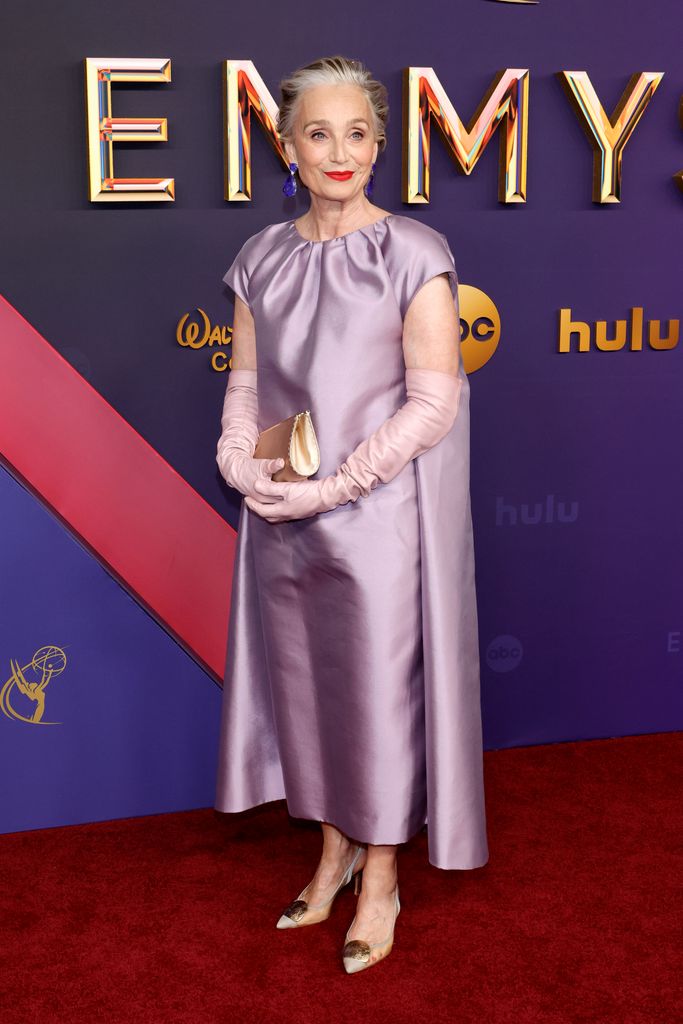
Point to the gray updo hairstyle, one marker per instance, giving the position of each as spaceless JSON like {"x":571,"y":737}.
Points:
{"x":333,"y":71}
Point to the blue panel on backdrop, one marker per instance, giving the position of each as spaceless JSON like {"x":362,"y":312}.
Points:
{"x":137,"y":728}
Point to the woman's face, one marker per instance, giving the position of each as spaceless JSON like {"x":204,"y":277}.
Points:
{"x":333,"y":132}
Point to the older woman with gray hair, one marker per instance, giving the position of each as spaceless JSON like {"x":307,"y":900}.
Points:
{"x":352,"y":679}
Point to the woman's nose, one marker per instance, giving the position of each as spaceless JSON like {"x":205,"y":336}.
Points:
{"x":339,"y":152}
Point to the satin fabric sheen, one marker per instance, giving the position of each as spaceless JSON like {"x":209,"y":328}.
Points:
{"x":352,"y":676}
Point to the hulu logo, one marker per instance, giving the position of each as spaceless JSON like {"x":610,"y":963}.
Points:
{"x":540,"y":512}
{"x":627,"y":334}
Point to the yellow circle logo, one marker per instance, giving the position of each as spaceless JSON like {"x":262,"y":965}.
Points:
{"x":480,"y":327}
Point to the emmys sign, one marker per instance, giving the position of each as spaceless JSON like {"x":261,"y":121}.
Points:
{"x":503,"y":108}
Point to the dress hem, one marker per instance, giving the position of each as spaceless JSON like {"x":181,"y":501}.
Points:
{"x":405,"y":836}
{"x":374,"y":842}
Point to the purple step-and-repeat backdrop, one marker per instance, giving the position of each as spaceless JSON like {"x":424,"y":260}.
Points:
{"x":571,"y":315}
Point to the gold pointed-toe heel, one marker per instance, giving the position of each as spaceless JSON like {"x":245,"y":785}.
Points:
{"x":356,"y":953}
{"x":300,"y":912}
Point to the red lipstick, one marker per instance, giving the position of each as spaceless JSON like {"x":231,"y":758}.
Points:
{"x":339,"y":175}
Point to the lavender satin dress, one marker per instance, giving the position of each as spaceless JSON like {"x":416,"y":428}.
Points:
{"x":352,"y":677}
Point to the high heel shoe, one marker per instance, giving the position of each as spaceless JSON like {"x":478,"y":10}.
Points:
{"x":356,"y":953}
{"x":300,"y":912}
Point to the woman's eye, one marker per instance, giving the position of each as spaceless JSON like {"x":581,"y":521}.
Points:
{"x":319,"y":132}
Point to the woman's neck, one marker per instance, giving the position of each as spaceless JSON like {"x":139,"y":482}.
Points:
{"x":323,"y":222}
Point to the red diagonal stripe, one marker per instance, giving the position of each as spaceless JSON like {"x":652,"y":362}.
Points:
{"x":129,"y":506}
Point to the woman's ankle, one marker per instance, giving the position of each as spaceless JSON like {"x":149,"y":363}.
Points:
{"x":380,"y":875}
{"x":335,"y":843}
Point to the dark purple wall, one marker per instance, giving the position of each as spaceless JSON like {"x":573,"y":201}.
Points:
{"x":580,"y":620}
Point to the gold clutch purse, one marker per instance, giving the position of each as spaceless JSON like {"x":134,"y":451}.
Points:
{"x":293,"y":440}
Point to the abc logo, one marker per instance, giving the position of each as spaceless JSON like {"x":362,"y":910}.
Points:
{"x":480,"y":327}
{"x":504,"y":653}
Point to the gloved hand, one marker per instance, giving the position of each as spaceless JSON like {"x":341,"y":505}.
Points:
{"x":420,"y":423}
{"x":238,"y":440}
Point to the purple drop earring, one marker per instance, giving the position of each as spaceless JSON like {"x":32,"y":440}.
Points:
{"x":369,"y":183}
{"x":289,"y":187}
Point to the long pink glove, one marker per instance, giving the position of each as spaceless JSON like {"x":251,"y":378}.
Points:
{"x":238,"y":440}
{"x":420,"y":423}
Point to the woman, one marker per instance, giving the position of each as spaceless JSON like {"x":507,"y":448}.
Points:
{"x":352,"y":680}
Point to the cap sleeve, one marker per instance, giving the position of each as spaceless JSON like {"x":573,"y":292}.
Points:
{"x":429,"y":255}
{"x":237,"y":277}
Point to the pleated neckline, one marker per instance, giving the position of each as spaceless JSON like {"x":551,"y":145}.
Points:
{"x":337,"y":238}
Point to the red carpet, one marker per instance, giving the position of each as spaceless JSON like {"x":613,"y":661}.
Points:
{"x":171,"y":918}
